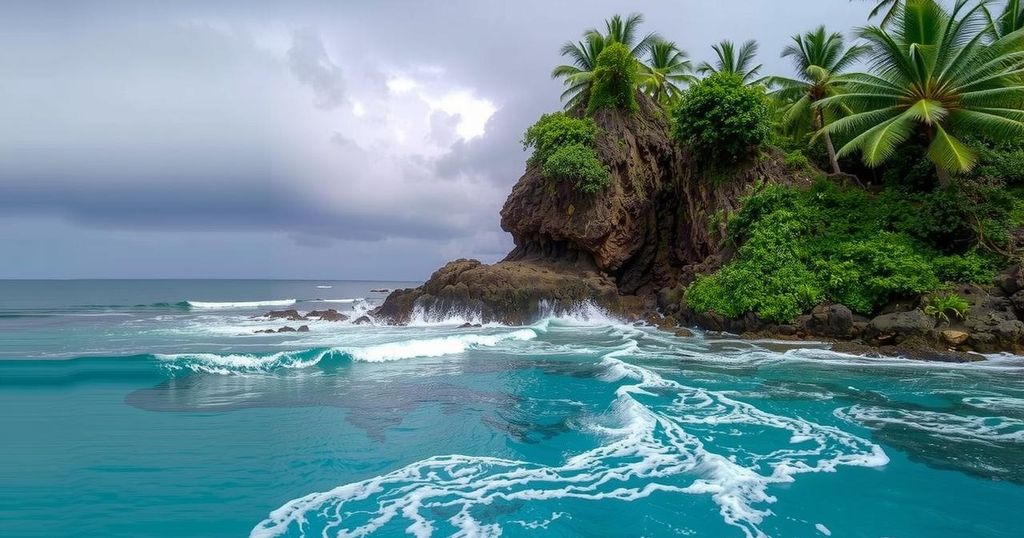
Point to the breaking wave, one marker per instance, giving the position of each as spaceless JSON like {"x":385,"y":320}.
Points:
{"x":249,"y":363}
{"x":230,"y":305}
{"x":652,"y":439}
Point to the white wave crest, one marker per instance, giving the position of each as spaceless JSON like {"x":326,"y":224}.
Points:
{"x":208,"y":305}
{"x":341,"y":301}
{"x":235,"y":363}
{"x":433,"y":347}
{"x":941,"y":425}
{"x":647,"y":448}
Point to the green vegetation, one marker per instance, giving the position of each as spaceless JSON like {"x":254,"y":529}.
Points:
{"x":666,"y":70}
{"x":926,"y":109}
{"x":722,"y":118}
{"x":943,"y":306}
{"x":739,"y":62}
{"x":842,"y":244}
{"x":937,"y":79}
{"x":615,"y":80}
{"x":563,"y":146}
{"x":820,"y":59}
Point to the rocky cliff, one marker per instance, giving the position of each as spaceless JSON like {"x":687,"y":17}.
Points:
{"x":651,"y":229}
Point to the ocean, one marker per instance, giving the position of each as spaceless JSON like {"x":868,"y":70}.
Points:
{"x":153,"y":408}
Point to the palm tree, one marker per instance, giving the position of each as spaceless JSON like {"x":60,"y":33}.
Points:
{"x":937,"y":75}
{"x":820,"y":59}
{"x":579,"y":74}
{"x":731,"y":60}
{"x":1011,"y":20}
{"x":889,"y":9}
{"x":667,"y":69}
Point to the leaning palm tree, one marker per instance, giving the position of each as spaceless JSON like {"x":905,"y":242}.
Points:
{"x":820,"y":59}
{"x":578,"y":75}
{"x":937,"y":76}
{"x":667,"y":70}
{"x":732,"y":60}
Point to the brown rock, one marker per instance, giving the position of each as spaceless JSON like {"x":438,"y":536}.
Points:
{"x":327,"y":315}
{"x":290,"y":315}
{"x":684,"y":333}
{"x":363,"y":320}
{"x":954,"y":338}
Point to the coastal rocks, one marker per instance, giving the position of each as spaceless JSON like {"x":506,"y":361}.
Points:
{"x":327,"y":315}
{"x":290,"y":315}
{"x":1010,"y":281}
{"x":514,"y":293}
{"x":954,"y":338}
{"x":896,"y":327}
{"x":832,"y":320}
{"x":285,"y":329}
{"x":658,"y":216}
{"x":363,"y":320}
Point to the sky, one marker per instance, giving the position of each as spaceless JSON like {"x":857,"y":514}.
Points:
{"x":319,"y":139}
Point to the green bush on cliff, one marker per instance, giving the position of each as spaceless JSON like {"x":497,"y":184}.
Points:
{"x":579,"y":163}
{"x":842,"y":244}
{"x":721,"y":118}
{"x":563,"y":146}
{"x":615,"y":80}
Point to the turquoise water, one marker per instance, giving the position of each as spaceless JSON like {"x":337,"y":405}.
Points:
{"x":130,"y":411}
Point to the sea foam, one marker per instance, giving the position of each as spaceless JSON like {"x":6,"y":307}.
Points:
{"x":208,"y":305}
{"x":646,"y":447}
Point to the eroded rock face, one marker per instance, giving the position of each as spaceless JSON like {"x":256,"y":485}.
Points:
{"x":654,"y":220}
{"x":508,"y":292}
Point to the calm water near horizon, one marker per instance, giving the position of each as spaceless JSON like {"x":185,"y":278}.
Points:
{"x":152,"y":408}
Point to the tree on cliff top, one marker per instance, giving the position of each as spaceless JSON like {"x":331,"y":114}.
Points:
{"x":668,"y":68}
{"x":739,"y":61}
{"x":578,"y":76}
{"x":937,"y":76}
{"x":614,"y":84}
{"x":722,"y":119}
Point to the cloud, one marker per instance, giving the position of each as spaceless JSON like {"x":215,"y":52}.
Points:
{"x":312,"y":66}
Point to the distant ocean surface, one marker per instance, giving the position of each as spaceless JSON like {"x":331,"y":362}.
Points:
{"x":142,"y":408}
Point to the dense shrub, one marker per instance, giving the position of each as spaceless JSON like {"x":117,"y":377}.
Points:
{"x":556,"y":130}
{"x":563,"y":146}
{"x":579,"y":163}
{"x":615,"y":81}
{"x":798,"y":248}
{"x":722,"y":118}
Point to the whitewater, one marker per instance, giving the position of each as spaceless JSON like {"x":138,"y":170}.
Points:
{"x":177,"y":415}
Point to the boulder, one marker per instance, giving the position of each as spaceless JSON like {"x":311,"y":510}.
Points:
{"x":896,"y":327}
{"x":831,"y":320}
{"x":287,"y":329}
{"x":953,"y":337}
{"x":291,"y":315}
{"x":684,"y":333}
{"x":303,"y":328}
{"x":363,"y":320}
{"x":327,"y":315}
{"x":1010,"y":281}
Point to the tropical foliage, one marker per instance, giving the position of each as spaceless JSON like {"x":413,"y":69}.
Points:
{"x":935,"y":78}
{"x":738,"y":61}
{"x":563,"y":146}
{"x":721,"y":118}
{"x":667,"y":71}
{"x":615,"y":80}
{"x":819,"y":58}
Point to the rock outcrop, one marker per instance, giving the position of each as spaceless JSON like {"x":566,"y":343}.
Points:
{"x":659,"y":222}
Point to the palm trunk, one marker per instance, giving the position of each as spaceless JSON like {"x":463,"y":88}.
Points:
{"x":833,"y":160}
{"x":944,"y":178}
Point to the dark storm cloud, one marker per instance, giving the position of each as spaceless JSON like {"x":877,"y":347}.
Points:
{"x":319,"y":121}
